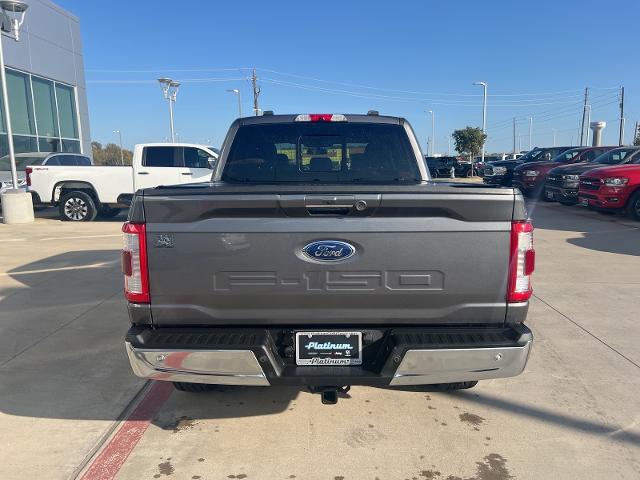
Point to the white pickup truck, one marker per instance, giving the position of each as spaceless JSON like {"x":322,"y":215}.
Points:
{"x":82,"y":193}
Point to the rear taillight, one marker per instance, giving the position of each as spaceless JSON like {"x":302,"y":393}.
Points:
{"x":27,"y":172}
{"x":134,"y":263}
{"x":522,"y":259}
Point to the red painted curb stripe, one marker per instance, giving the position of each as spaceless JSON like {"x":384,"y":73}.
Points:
{"x":109,"y":462}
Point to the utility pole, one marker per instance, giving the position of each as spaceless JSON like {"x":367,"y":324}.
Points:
{"x":514,"y":137}
{"x":256,"y":92}
{"x":530,"y":132}
{"x":554,"y":137}
{"x":584,"y":113}
{"x":621,"y":137}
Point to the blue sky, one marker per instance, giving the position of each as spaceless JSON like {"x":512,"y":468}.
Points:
{"x":537,"y":57}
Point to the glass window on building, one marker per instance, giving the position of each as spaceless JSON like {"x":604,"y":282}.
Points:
{"x":45,"y":108}
{"x":67,"y":111}
{"x":44,"y":115}
{"x":20,"y":106}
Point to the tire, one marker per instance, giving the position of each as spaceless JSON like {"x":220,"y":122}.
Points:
{"x":193,"y":387}
{"x":77,"y":206}
{"x":109,"y":212}
{"x":633,"y":207}
{"x":451,"y":387}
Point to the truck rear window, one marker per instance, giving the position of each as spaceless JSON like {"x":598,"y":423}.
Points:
{"x":331,"y":152}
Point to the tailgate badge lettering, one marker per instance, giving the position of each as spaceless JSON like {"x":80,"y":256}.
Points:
{"x":329,"y":250}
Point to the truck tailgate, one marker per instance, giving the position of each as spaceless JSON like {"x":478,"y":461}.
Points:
{"x":420,"y":258}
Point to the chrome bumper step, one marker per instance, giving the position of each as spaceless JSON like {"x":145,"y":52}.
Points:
{"x":257,"y":357}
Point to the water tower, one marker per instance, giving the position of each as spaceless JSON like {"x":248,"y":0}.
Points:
{"x":597,"y":128}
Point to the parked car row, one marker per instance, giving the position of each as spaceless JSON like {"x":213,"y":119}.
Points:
{"x":441,"y":167}
{"x":604,"y":178}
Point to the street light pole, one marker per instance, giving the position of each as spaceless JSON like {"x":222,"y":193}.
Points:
{"x":530,"y":132}
{"x":170,"y":92}
{"x":484,"y":113}
{"x":17,"y":205}
{"x":11,"y":27}
{"x":121,"y":151}
{"x":554,"y":137}
{"x":237,"y":92}
{"x":432,"y":142}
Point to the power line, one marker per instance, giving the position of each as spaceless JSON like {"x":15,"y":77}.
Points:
{"x":418,"y":92}
{"x":192,"y":70}
{"x":433,"y":101}
{"x":185,"y":80}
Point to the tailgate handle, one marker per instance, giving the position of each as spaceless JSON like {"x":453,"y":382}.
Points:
{"x":329,"y":204}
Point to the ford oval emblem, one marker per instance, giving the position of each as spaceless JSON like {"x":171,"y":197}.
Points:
{"x":329,"y":250}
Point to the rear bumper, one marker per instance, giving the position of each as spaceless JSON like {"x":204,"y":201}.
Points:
{"x":262,"y":357}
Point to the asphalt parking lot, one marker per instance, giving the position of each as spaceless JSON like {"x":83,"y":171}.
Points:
{"x":70,"y":407}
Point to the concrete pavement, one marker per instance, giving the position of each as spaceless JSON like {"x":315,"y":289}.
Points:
{"x":575,"y":413}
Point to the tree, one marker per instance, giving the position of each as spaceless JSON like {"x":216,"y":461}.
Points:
{"x":469,"y":141}
{"x":110,"y":154}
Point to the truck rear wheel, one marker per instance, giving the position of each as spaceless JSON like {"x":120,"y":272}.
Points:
{"x":77,"y":206}
{"x":450,"y":387}
{"x":193,"y":387}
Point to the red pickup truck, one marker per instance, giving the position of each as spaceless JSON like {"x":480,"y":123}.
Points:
{"x":530,"y":177}
{"x":615,"y":188}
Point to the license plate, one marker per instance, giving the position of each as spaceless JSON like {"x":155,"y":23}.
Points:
{"x":584,"y":202}
{"x":549,"y":194}
{"x":329,"y":348}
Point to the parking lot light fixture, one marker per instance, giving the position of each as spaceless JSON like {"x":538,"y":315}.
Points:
{"x":237,"y":92}
{"x":17,"y":205}
{"x":170,"y":92}
{"x":484,"y":112}
{"x":13,"y":12}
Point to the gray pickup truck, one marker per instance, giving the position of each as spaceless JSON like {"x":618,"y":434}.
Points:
{"x":321,"y":255}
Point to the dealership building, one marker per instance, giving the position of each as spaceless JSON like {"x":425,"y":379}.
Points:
{"x":46,"y":84}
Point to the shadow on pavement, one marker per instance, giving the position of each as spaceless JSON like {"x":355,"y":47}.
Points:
{"x":548,"y":416}
{"x":597,"y":232}
{"x":62,"y":353}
